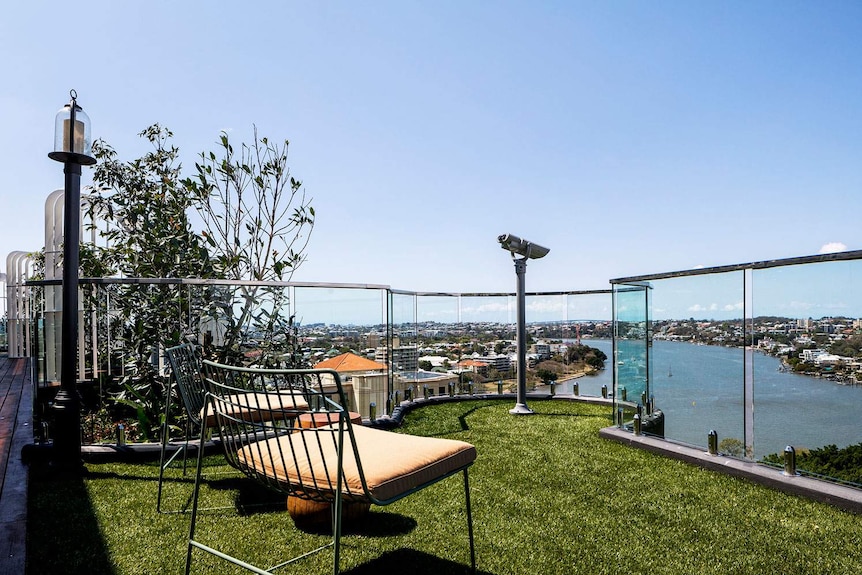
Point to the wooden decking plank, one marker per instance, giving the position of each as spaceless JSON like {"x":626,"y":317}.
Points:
{"x":13,"y":547}
{"x":16,"y":425}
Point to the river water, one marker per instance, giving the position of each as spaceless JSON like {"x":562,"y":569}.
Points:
{"x":700,"y":388}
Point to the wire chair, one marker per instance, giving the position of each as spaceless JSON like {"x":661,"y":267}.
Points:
{"x":185,"y":362}
{"x":336,"y":463}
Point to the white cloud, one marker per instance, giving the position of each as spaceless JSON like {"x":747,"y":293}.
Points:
{"x":545,"y":305}
{"x":733,"y":306}
{"x":494,"y":307}
{"x":712,"y":307}
{"x":833,"y":247}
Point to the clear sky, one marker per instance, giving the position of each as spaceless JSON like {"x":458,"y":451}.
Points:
{"x":628,"y":137}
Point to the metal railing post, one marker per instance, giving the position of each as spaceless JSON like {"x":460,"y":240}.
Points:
{"x":712,"y":442}
{"x":790,"y":461}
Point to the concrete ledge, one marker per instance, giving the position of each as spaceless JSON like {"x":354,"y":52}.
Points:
{"x":846,"y":498}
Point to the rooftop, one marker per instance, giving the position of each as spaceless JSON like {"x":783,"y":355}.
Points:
{"x":348,"y":362}
{"x":551,"y":495}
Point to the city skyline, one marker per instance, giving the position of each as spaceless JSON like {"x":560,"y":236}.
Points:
{"x":629,"y":138}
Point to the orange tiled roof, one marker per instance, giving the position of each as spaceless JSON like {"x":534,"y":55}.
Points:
{"x":473,"y":363}
{"x":350,"y":362}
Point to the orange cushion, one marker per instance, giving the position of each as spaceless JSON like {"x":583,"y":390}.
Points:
{"x":393,"y":463}
{"x":257,"y":406}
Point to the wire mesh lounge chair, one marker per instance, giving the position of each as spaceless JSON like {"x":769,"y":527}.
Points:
{"x":185,"y":362}
{"x":336,"y":463}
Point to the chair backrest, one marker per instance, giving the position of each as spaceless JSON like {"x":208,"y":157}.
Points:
{"x":281,"y":427}
{"x":185,"y":361}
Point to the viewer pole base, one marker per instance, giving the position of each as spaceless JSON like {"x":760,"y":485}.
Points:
{"x":521,"y":409}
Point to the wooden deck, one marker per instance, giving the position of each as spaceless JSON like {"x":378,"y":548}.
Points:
{"x":15,"y":432}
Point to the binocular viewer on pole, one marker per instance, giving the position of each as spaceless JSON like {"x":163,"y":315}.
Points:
{"x":521,"y":247}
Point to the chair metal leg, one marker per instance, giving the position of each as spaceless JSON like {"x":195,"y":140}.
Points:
{"x":162,"y":466}
{"x":166,"y":432}
{"x":165,"y":464}
{"x":339,"y":500}
{"x":186,"y":444}
{"x":470,"y":522}
{"x":194,"y":517}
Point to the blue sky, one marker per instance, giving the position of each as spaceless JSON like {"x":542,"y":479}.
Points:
{"x":628,"y":137}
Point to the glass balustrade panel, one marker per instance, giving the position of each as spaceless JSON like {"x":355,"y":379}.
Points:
{"x":697,"y":358}
{"x":807,"y":357}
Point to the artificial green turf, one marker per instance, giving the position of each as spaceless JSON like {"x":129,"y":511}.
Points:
{"x":549,"y":496}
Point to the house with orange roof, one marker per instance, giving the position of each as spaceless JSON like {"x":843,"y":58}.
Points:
{"x":476,"y":366}
{"x":349,"y":363}
{"x":364,"y":381}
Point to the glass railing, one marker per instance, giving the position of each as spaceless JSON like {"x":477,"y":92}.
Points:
{"x":767,"y":355}
{"x":402,"y":345}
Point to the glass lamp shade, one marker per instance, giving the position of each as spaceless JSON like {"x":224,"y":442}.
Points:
{"x":72,"y":140}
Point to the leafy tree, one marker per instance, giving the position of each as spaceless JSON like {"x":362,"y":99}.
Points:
{"x":258,"y":222}
{"x":583,"y":353}
{"x":547,"y":375}
{"x":256,"y":225}
{"x":549,"y":371}
{"x":731,"y":446}
{"x":850,"y":347}
{"x":844,"y":463}
{"x":425,"y":365}
{"x":149,"y":235}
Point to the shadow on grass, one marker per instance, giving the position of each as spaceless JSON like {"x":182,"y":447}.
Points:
{"x":62,"y":531}
{"x":411,"y":561}
{"x":253,"y":498}
{"x":462,"y":421}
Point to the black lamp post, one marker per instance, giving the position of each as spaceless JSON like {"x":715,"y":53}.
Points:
{"x":528,"y":250}
{"x":72,"y":147}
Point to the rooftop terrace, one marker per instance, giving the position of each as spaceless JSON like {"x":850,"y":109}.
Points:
{"x":625,"y":505}
{"x":550,"y":494}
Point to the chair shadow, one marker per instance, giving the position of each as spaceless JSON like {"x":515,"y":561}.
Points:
{"x":415,"y":562}
{"x":253,"y":498}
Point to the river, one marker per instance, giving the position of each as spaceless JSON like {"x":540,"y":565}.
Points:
{"x":700,"y":387}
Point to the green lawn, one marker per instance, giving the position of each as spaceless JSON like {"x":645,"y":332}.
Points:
{"x":549,"y":497}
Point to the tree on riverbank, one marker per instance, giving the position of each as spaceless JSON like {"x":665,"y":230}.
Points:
{"x":590,"y":356}
{"x":844,"y":464}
